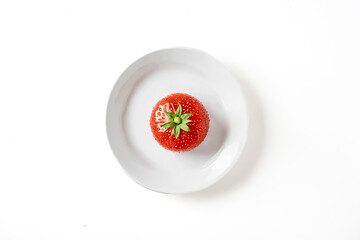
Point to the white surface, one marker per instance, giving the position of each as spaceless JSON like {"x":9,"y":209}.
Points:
{"x":298,"y":62}
{"x":153,"y":77}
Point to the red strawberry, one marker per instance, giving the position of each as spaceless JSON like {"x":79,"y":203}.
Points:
{"x":179,"y":122}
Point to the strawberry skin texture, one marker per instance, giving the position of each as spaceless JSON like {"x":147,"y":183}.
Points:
{"x":199,"y":124}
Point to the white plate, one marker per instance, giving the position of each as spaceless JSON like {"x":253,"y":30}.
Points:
{"x":155,"y":76}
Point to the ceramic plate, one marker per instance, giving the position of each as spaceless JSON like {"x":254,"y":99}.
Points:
{"x":141,"y":86}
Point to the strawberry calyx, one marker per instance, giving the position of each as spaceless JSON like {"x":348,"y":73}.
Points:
{"x":177,"y":121}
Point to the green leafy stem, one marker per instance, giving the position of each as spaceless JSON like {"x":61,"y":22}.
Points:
{"x":177,"y":121}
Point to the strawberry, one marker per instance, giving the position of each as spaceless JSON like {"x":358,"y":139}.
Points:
{"x":179,"y":122}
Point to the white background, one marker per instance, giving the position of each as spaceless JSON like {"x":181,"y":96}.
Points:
{"x":297,"y":61}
